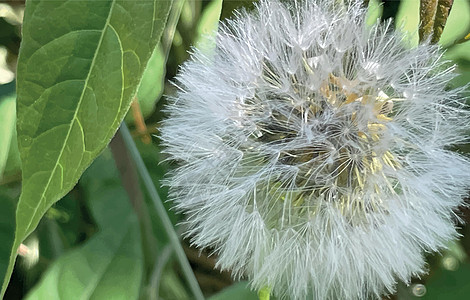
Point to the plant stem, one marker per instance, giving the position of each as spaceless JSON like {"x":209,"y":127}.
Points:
{"x":264,"y":293}
{"x":167,"y":37}
{"x":161,"y":211}
{"x":130,"y":181}
{"x":154,"y":285}
{"x":433,"y":17}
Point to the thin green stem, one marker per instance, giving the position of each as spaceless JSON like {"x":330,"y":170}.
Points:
{"x":264,"y":293}
{"x":161,"y":211}
{"x":163,"y":259}
{"x":130,"y":181}
{"x":170,"y":29}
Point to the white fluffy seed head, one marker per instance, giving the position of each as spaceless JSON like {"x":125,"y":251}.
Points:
{"x":314,"y":151}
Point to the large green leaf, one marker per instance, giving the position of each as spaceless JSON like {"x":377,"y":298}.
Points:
{"x":79,"y":67}
{"x":110,"y":264}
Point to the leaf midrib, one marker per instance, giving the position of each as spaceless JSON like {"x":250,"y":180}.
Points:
{"x":46,"y":187}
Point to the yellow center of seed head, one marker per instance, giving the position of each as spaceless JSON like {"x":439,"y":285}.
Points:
{"x":354,"y":170}
{"x":337,"y":169}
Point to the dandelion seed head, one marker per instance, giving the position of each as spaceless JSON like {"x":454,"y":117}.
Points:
{"x":314,"y":151}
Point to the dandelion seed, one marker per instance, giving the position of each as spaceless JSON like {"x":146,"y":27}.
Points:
{"x":314,"y":151}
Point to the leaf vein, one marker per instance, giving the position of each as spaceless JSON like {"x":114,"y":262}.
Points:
{"x":122,"y":72}
{"x":75,"y":115}
{"x":61,"y":36}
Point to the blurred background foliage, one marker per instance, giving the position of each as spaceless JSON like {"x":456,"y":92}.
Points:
{"x":96,"y":239}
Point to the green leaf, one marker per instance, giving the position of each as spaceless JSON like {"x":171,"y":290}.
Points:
{"x":102,"y":189}
{"x":79,"y":67}
{"x":239,"y":290}
{"x":208,"y":24}
{"x":151,"y":86}
{"x":110,"y":264}
{"x":458,"y":23}
{"x":13,"y":163}
{"x":460,"y":51}
{"x":407,"y":20}
{"x":61,"y":227}
{"x":7,"y":128}
{"x":374,"y":11}
{"x":101,"y":185}
{"x":7,"y":223}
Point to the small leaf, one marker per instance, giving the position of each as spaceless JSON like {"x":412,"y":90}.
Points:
{"x":7,"y":128}
{"x":151,"y":86}
{"x":79,"y":67}
{"x":9,"y":166}
{"x":208,"y":24}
